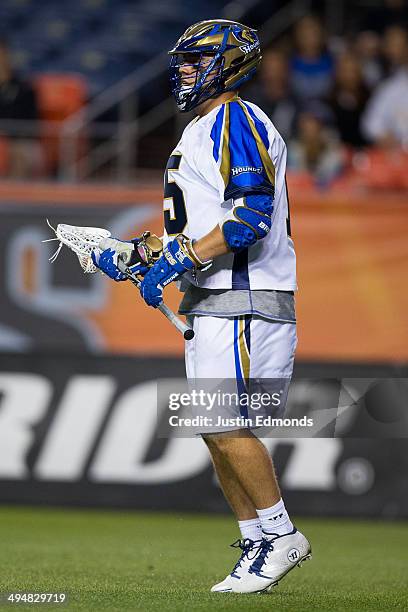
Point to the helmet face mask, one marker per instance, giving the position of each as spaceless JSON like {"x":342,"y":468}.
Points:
{"x":210,"y":58}
{"x":191,"y":87}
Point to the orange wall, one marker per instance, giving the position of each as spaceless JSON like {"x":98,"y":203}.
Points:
{"x":352,"y":275}
{"x":352,"y":301}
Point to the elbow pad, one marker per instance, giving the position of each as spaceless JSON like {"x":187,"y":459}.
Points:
{"x":249,"y":220}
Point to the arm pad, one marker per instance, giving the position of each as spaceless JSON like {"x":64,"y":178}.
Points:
{"x":249,"y":220}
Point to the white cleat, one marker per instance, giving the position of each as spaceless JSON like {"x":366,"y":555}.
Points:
{"x":277,"y":555}
{"x":249,"y":551}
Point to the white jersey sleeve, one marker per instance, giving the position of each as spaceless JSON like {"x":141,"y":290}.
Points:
{"x":232,"y":151}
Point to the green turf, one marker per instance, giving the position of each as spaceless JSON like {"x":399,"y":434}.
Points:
{"x":133,"y":561}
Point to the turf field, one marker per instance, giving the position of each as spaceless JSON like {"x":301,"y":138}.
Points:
{"x":131,"y":561}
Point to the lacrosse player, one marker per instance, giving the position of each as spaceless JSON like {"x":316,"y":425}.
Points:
{"x":227,"y":234}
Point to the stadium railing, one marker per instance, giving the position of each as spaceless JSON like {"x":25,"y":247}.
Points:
{"x":120,"y":146}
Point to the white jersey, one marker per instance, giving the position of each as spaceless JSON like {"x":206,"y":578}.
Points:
{"x":230,"y":152}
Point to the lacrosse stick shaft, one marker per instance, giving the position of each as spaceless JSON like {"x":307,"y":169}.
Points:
{"x":187,"y":332}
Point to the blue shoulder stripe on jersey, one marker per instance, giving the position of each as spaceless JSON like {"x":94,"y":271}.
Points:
{"x":216,"y":132}
{"x":260,"y":126}
{"x":245,"y":164}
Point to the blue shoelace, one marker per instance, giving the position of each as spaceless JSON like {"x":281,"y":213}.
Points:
{"x":246,"y":546}
{"x":265,"y":547}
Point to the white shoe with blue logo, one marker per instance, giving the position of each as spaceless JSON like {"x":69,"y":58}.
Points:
{"x":276,"y":556}
{"x":249,"y":551}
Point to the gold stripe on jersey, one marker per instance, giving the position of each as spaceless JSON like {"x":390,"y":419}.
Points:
{"x":225,"y":153}
{"x":243,"y":350}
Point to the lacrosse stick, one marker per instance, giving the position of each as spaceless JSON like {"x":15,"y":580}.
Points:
{"x":83,"y":240}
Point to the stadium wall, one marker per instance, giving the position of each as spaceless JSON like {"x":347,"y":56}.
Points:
{"x":84,"y":431}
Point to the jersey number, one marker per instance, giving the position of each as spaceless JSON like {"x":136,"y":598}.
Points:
{"x":175,"y":215}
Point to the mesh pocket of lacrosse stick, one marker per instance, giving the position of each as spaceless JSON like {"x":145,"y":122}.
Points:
{"x":81,"y":240}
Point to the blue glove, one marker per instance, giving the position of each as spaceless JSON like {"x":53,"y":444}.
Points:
{"x":107,"y":259}
{"x":177,"y":258}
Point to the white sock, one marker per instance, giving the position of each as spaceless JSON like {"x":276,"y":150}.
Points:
{"x":275,"y":519}
{"x":251,"y":529}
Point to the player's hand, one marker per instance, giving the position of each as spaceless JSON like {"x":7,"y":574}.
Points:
{"x":106,"y":258}
{"x":138,"y":255}
{"x":174,"y":262}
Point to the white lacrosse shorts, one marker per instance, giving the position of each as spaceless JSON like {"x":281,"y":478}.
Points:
{"x":244,"y":353}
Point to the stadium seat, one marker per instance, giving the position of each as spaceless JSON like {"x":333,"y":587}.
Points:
{"x":59,"y":96}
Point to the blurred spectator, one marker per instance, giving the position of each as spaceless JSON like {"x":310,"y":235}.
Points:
{"x":17,"y":102}
{"x":312,"y":65}
{"x":367,"y":48}
{"x":348,"y":99}
{"x":316,"y":149}
{"x":385,"y":121}
{"x":271,"y":92}
{"x":381,"y":40}
{"x":394,"y":47}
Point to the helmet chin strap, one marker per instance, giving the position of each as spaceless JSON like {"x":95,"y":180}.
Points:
{"x":185,"y":89}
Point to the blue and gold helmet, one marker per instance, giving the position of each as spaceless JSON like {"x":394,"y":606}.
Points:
{"x":224,"y":54}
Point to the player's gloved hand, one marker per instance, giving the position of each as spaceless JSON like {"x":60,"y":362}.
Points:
{"x":107,"y":259}
{"x":138,"y":254}
{"x":177,"y":258}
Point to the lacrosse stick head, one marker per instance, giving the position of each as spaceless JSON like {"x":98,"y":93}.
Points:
{"x":81,"y":240}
